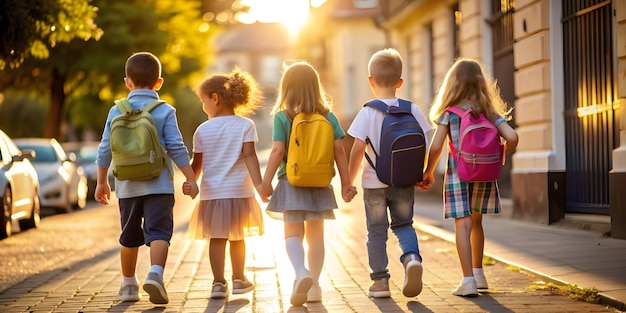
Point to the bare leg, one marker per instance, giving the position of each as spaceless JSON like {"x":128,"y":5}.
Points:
{"x":217,"y":256}
{"x":314,"y":232}
{"x":128,"y":258}
{"x":158,"y":252}
{"x":463,"y":227}
{"x":238,"y":258}
{"x":477,"y":239}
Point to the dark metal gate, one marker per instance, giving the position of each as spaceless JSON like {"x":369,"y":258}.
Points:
{"x":501,"y":21}
{"x":591,"y":132}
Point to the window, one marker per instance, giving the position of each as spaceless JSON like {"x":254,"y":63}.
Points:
{"x":365,"y":4}
{"x":270,"y":70}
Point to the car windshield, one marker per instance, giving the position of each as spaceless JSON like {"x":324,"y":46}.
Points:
{"x":42,"y":154}
{"x":87,"y":154}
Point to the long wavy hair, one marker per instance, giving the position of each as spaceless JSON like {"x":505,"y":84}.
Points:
{"x":466,"y":82}
{"x":301,"y":90}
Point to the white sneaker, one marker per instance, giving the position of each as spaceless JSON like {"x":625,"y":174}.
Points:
{"x":481,"y":281}
{"x":412,"y":276}
{"x":153,"y":285}
{"x":300,"y":289}
{"x":467,"y":289}
{"x":314,"y":294}
{"x":129,"y":293}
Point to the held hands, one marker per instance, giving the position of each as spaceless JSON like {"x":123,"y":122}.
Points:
{"x":348,"y":192}
{"x":264,"y":195}
{"x":190,"y":188}
{"x":427,"y":182}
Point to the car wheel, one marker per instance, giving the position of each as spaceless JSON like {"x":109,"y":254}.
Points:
{"x":7,"y":204}
{"x":81,"y":194}
{"x":33,"y":220}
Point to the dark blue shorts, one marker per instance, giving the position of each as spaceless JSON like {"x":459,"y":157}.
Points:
{"x":145,"y":219}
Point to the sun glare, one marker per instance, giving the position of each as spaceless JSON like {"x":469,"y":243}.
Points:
{"x":291,"y":13}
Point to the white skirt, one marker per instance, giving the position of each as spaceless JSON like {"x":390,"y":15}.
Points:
{"x":231,"y":219}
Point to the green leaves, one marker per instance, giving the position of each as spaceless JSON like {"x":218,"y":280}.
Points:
{"x":28,"y":28}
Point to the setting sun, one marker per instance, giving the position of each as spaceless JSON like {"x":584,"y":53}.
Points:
{"x":291,"y":13}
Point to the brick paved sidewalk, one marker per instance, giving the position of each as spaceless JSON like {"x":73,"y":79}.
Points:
{"x":91,"y":286}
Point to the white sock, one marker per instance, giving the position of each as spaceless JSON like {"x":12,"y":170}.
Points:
{"x":478,"y":271}
{"x":295,"y":251}
{"x":129,"y":281}
{"x":466,"y":279}
{"x":157,"y":269}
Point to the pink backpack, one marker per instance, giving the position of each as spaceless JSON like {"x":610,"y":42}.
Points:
{"x":479,"y":158}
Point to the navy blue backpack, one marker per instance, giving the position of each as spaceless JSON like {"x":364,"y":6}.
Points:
{"x":402,"y":145}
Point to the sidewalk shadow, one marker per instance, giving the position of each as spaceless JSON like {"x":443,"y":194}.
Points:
{"x":417,"y":307}
{"x":223,"y":305}
{"x":127,"y":307}
{"x":390,"y":305}
{"x":309,"y":307}
{"x":489,"y":304}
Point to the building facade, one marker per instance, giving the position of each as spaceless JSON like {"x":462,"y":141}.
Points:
{"x":562,"y":65}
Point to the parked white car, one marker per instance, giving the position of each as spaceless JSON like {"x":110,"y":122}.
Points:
{"x":18,"y":187}
{"x":63,"y":184}
{"x":86,"y":153}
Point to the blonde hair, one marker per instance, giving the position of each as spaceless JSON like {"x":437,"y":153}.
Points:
{"x":466,"y":82}
{"x":237,"y":90}
{"x":385,"y":67}
{"x":301,"y":90}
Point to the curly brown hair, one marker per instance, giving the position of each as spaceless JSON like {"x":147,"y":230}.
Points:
{"x":237,"y":90}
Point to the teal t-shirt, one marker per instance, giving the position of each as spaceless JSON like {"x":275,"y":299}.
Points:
{"x":282,"y":131}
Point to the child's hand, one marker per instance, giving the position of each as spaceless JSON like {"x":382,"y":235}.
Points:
{"x":190,"y":188}
{"x":264,"y":196}
{"x":427,"y":182}
{"x":102,"y":193}
{"x":265,"y":191}
{"x":348,"y":192}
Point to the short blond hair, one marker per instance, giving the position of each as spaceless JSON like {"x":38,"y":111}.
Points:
{"x":385,"y":67}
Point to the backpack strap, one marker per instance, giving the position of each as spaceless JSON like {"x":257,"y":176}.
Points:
{"x":377,"y":104}
{"x":405,"y":105}
{"x":458,"y":111}
{"x":153,"y":105}
{"x":382,"y":107}
{"x":123,"y":105}
{"x":461,"y":113}
{"x":149,"y":108}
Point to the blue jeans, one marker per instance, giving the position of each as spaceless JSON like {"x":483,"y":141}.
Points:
{"x":400,"y":203}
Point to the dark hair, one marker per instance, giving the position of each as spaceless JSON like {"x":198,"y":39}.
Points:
{"x":143,"y":69}
{"x":237,"y":90}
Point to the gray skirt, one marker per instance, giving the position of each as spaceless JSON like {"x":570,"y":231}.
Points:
{"x":298,"y":204}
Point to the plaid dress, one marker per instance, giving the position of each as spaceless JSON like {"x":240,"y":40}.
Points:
{"x":462,"y":198}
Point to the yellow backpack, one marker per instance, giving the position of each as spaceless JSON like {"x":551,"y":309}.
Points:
{"x":311,"y":151}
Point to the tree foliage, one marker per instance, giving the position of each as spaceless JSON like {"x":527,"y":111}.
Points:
{"x":82,"y":78}
{"x":29,"y":27}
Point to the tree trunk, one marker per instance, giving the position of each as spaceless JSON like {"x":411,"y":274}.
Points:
{"x":55,"y":112}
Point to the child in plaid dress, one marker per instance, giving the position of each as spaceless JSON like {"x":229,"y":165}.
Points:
{"x":467,"y":86}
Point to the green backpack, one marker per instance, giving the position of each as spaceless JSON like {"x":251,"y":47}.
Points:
{"x":135,"y":147}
